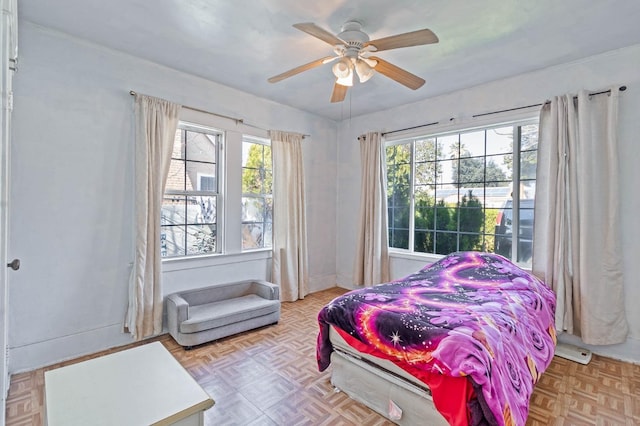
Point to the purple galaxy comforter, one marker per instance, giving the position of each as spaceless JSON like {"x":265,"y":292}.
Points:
{"x":470,"y":314}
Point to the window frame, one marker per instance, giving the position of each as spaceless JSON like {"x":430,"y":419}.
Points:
{"x":517,"y":122}
{"x":217,"y":193}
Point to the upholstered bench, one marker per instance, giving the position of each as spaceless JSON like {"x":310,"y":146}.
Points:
{"x":201,"y":315}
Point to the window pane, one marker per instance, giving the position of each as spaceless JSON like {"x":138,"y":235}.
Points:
{"x":251,"y":181}
{"x":201,"y":239}
{"x":200,"y":147}
{"x":195,"y":170}
{"x":528,"y":161}
{"x":172,"y":241}
{"x":201,"y":209}
{"x":253,"y":209}
{"x":446,"y":242}
{"x":173,"y":210}
{"x":257,"y":211}
{"x":446,"y":218}
{"x":400,"y":217}
{"x":529,"y":137}
{"x":500,"y":141}
{"x":399,"y":174}
{"x":449,"y":168}
{"x":399,"y":154}
{"x":472,"y":144}
{"x":252,"y":235}
{"x":178,"y":145}
{"x":448,"y":147}
{"x":426,"y":150}
{"x":399,"y":196}
{"x":471,"y":170}
{"x":525,"y":231}
{"x":399,"y":238}
{"x":176,"y":176}
{"x":499,"y":167}
{"x":423,"y":242}
{"x":471,"y":218}
{"x":268,"y":234}
{"x":425,"y":173}
{"x":470,"y":242}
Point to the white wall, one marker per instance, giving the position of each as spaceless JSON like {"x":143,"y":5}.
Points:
{"x":612,"y":68}
{"x":72,"y":192}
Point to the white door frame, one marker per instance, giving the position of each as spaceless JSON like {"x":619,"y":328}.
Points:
{"x":8,"y":59}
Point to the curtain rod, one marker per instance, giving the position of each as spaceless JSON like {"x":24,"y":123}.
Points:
{"x":621,"y":88}
{"x":410,"y":128}
{"x":237,"y":120}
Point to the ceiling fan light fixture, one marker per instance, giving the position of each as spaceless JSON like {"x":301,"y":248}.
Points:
{"x":342,"y":68}
{"x":346,"y":81}
{"x":364,"y":71}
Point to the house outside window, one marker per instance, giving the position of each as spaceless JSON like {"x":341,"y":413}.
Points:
{"x":467,"y":190}
{"x":257,"y":194}
{"x":189,"y":218}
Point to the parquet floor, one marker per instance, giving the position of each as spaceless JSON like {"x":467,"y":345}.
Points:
{"x":269,"y":377}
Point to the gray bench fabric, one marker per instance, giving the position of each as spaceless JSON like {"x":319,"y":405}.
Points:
{"x":201,"y":315}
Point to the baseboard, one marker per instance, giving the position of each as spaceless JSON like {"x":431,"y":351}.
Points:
{"x":628,"y":351}
{"x":40,"y":354}
{"x":321,"y":282}
{"x":573,"y":353}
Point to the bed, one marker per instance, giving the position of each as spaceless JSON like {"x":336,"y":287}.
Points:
{"x":462,"y":341}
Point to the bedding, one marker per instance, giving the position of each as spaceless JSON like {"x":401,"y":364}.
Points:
{"x":472,"y":324}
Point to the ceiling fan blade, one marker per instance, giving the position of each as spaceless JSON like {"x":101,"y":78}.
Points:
{"x":301,"y":68}
{"x":339,"y":92}
{"x":398,"y":74}
{"x":314,"y":30}
{"x":414,"y":38}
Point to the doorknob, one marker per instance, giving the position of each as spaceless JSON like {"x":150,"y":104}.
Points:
{"x":14,"y":264}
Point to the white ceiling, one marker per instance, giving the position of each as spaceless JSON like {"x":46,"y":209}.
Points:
{"x":241,"y":43}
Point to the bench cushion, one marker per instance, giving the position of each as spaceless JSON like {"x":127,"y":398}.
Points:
{"x":218,"y":314}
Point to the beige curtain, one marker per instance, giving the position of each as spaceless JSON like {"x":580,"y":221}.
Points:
{"x":156,"y":123}
{"x":290,"y":259}
{"x":372,"y":254}
{"x":577,"y":247}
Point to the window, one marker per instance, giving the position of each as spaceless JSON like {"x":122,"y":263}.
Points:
{"x":189,"y":221}
{"x":464,"y":191}
{"x":257,"y":198}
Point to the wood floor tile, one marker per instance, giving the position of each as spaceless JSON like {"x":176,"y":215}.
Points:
{"x":269,"y":377}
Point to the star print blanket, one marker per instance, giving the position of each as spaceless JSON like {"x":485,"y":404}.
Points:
{"x":471,"y":315}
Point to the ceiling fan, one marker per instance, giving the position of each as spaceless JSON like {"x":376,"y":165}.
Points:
{"x":353,"y":53}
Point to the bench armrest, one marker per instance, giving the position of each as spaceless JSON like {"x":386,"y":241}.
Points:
{"x":266,"y":290}
{"x":177,"y":312}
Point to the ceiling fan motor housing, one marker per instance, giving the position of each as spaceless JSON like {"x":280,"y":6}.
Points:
{"x":354,"y":38}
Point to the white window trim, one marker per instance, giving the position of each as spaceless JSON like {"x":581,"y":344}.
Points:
{"x":232,"y":132}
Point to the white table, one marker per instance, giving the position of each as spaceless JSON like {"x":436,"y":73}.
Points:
{"x":145,"y":385}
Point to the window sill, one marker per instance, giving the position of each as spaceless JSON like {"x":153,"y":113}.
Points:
{"x":423,"y":257}
{"x":194,"y":262}
{"x":430,"y":257}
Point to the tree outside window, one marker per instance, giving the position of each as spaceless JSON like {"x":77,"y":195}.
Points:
{"x":257,"y":194}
